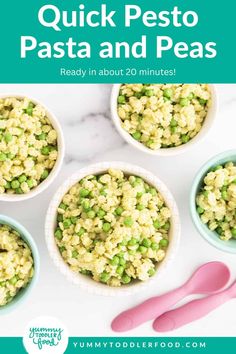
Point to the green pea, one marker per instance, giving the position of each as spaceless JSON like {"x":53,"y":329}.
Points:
{"x":142,"y":249}
{"x":202,"y":101}
{"x":7,"y":185}
{"x":124,"y":243}
{"x":156,"y":224}
{"x":45,"y":174}
{"x":184,"y":138}
{"x":167,"y":93}
{"x":10,"y":155}
{"x":140,"y":207}
{"x":59,"y":217}
{"x":153,"y":192}
{"x":120,"y":270}
{"x":219,"y":230}
{"x":121,"y":99}
{"x":8,"y":137}
{"x":200,"y":210}
{"x":173,"y":130}
{"x":191,"y":96}
{"x":74,"y":220}
{"x":128,"y":221}
{"x":233,"y":232}
{"x":154,"y":246}
{"x":132,"y":242}
{"x":104,"y":277}
{"x":19,"y":191}
{"x":218,"y":167}
{"x":15,"y":184}
{"x":42,"y":136}
{"x":115,"y":261}
{"x":205,"y":193}
{"x":86,"y":205}
{"x":183,"y":102}
{"x":62,"y":249}
{"x":132,"y":252}
{"x":164,"y":242}
{"x":119,"y":211}
{"x":3,"y":157}
{"x":103,"y":192}
{"x":166,"y":226}
{"x":22,"y":178}
{"x":45,"y":150}
{"x":151,"y":272}
{"x":138,"y":94}
{"x":101,"y":213}
{"x":74,"y":254}
{"x":84,"y":192}
{"x":106,"y":227}
{"x":224,"y":195}
{"x":149,"y":93}
{"x":149,"y":142}
{"x":91,"y":214}
{"x":122,"y":261}
{"x":146,"y":242}
{"x":81,"y":231}
{"x":14,"y":280}
{"x":67,"y":223}
{"x":63,"y":206}
{"x":137,"y":135}
{"x":126,"y":279}
{"x":166,"y":99}
{"x":30,"y":183}
{"x":58,"y":234}
{"x":139,"y":194}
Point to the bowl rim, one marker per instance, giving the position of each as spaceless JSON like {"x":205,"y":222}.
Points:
{"x":81,"y":280}
{"x":61,"y":153}
{"x":202,"y":228}
{"x":27,"y":237}
{"x":208,"y":123}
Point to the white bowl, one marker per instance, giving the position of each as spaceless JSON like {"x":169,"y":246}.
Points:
{"x":84,"y":281}
{"x":54,"y":172}
{"x":209,"y":120}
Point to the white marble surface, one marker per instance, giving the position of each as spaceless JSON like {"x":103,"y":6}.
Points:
{"x":83,"y":111}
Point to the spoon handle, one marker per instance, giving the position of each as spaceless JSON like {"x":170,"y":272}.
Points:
{"x":147,"y":310}
{"x":189,"y":312}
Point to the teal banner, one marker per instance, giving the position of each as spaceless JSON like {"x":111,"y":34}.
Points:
{"x":103,"y":41}
{"x":127,"y":345}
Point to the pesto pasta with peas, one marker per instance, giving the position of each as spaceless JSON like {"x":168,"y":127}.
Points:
{"x":16,"y":264}
{"x":163,"y":116}
{"x":28,"y":145}
{"x":113,"y":228}
{"x":216,"y":202}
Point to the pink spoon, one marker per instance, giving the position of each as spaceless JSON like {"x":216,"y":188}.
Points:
{"x":193,"y":310}
{"x":208,"y":278}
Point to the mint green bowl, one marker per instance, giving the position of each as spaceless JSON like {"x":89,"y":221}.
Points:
{"x":211,"y":236}
{"x":22,"y":294}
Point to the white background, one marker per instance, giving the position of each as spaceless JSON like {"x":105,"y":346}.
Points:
{"x":83,"y":111}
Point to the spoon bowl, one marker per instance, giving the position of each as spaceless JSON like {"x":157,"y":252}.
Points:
{"x":209,"y":278}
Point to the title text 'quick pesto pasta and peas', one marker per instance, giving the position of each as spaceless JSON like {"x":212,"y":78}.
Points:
{"x":55,"y":19}
{"x":113,"y":227}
